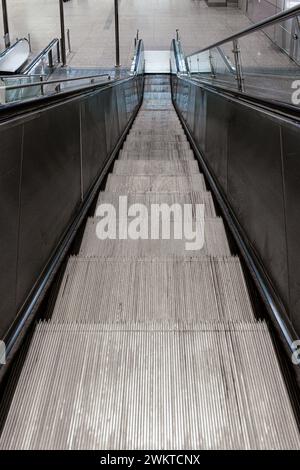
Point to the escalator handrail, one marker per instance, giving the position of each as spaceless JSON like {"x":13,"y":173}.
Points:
{"x":18,"y":76}
{"x":279,"y":17}
{"x":58,"y":81}
{"x":38,"y":58}
{"x":22,"y":106}
{"x":17,"y":108}
{"x":3,"y":53}
{"x":138,"y":56}
{"x":287,"y":110}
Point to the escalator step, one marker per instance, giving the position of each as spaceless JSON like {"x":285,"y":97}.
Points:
{"x":150,"y":126}
{"x":97,"y":290}
{"x":157,"y":138}
{"x":149,"y":87}
{"x":163,"y":119}
{"x":157,"y":114}
{"x":168,"y":155}
{"x":164,"y":95}
{"x":155,"y":124}
{"x":140,"y":145}
{"x":148,"y":199}
{"x":155,"y":167}
{"x":124,"y":184}
{"x":215,"y":242}
{"x":154,"y":104}
{"x":164,"y":386}
{"x":157,"y":80}
{"x":142,"y":129}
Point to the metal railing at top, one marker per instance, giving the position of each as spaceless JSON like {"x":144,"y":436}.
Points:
{"x":43,"y":83}
{"x":250,"y":62}
{"x":279,"y":17}
{"x":17,"y":76}
{"x":38,"y":86}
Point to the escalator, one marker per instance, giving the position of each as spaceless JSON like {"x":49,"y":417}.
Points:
{"x":19,"y":70}
{"x":17,"y":59}
{"x":14,"y":58}
{"x":143,"y":343}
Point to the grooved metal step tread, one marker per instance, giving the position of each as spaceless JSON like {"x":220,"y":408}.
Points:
{"x":144,"y":129}
{"x":163,"y":117}
{"x":155,"y":132}
{"x":159,"y":198}
{"x":152,"y":105}
{"x":168,"y":155}
{"x":155,"y":167}
{"x":171,"y":122}
{"x":159,"y":145}
{"x":96,"y":290}
{"x":156,"y":138}
{"x":156,"y":128}
{"x":157,"y":79}
{"x":157,"y":113}
{"x":215,"y":241}
{"x":155,"y":125}
{"x":132,"y":184}
{"x":176,"y":387}
{"x":149,"y":87}
{"x":141,"y":129}
{"x":163,"y":95}
{"x":160,"y":116}
{"x":155,"y":100}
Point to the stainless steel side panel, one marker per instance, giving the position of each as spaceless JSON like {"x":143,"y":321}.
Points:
{"x":49,"y":160}
{"x":94,"y":149}
{"x":290,"y":134}
{"x":216,"y":137}
{"x":10,"y":171}
{"x":50,"y":188}
{"x":255,"y":158}
{"x":255,"y":188}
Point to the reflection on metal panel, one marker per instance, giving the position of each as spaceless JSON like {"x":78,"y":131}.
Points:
{"x":50,"y":184}
{"x":10,"y":171}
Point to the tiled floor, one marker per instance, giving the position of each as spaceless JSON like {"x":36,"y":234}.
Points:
{"x":91,"y":23}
